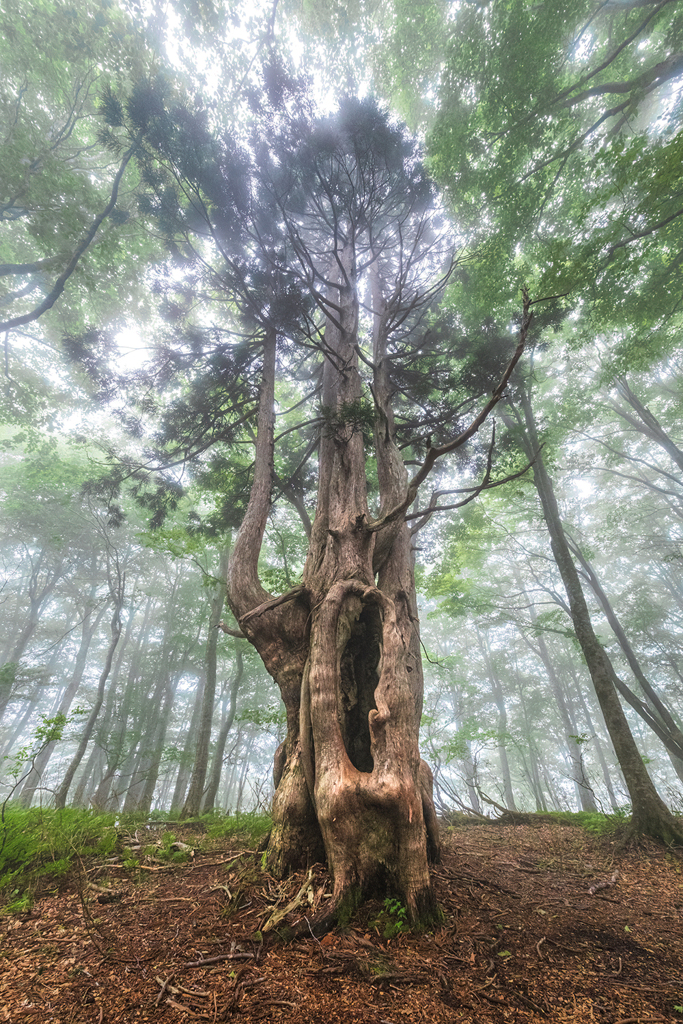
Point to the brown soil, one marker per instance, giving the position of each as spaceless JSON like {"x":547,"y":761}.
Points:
{"x":523,"y":940}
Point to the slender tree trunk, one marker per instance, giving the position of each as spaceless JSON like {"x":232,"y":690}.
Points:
{"x":499,"y":701}
{"x":201,"y":759}
{"x":597,"y":740}
{"x":650,"y":814}
{"x":226,"y":725}
{"x":63,"y":790}
{"x":90,"y":777}
{"x":116,"y":738}
{"x":584,"y":791}
{"x":234,"y":761}
{"x":530,"y":755}
{"x":655,"y":714}
{"x":88,"y":630}
{"x":245,"y":759}
{"x":157,"y":746}
{"x":186,"y":759}
{"x":645,"y":422}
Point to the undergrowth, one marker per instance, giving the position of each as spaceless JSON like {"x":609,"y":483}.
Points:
{"x":39,"y":846}
{"x":250,"y":827}
{"x":594,"y":822}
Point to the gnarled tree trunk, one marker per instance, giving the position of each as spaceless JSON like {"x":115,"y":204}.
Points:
{"x":344,"y":649}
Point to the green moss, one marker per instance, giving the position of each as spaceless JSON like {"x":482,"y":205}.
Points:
{"x":592,"y":821}
{"x":427,"y":915}
{"x":348,"y":905}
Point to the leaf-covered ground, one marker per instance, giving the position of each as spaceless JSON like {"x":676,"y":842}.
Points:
{"x":524,"y":940}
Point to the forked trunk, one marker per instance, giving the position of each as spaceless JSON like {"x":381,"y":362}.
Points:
{"x":344,"y":649}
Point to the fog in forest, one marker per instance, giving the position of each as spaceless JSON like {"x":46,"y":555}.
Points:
{"x":482,"y":254}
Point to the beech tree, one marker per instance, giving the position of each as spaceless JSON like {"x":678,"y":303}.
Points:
{"x":322,"y":245}
{"x":650,"y":814}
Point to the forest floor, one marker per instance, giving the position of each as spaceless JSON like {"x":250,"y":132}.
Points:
{"x":524,"y":940}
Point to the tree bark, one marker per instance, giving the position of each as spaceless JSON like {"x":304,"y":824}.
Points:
{"x":584,"y":791}
{"x":499,"y":701}
{"x":656,"y":714}
{"x":115,"y":629}
{"x":645,"y":422}
{"x":88,"y":629}
{"x":186,"y":759}
{"x":345,"y":653}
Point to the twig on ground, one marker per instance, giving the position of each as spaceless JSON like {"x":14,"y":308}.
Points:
{"x":279,"y":915}
{"x":217,"y":959}
{"x":642,"y":1020}
{"x":604,"y":885}
{"x":230,"y":860}
{"x":186,"y":1009}
{"x":177,"y":989}
{"x":164,"y":986}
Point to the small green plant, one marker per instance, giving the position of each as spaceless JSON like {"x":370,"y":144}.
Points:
{"x":678,"y":1009}
{"x":393,"y":919}
{"x":594,"y":822}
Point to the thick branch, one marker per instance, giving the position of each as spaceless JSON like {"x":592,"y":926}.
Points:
{"x":245,"y":591}
{"x":50,"y":299}
{"x":472,"y":493}
{"x":274,"y":602}
{"x":28,"y":268}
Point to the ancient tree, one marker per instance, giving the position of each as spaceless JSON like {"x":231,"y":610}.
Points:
{"x":325,"y":235}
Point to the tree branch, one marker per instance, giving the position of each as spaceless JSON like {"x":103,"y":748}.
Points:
{"x":435,"y":453}
{"x":60,"y":283}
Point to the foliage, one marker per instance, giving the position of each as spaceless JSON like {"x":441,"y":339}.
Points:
{"x":56,"y":178}
{"x":393,"y":919}
{"x":41,"y":846}
{"x":596,"y":823}
{"x":499,"y":90}
{"x":562,"y":160}
{"x":249,"y":828}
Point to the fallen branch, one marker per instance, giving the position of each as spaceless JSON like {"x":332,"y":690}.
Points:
{"x":177,"y":989}
{"x":604,"y":885}
{"x":164,"y":986}
{"x":523,"y":999}
{"x":186,"y":1009}
{"x":278,"y":915}
{"x":642,"y":1020}
{"x":218,"y":959}
{"x":230,"y":860}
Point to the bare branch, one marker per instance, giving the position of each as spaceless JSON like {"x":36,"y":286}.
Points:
{"x":435,"y":453}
